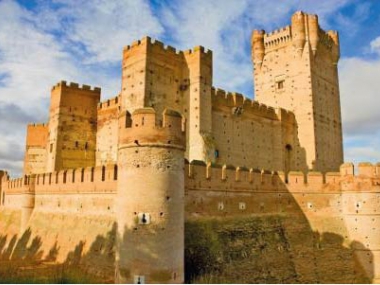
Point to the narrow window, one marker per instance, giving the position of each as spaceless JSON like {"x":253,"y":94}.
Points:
{"x":103,"y":173}
{"x":128,"y":120}
{"x":76,"y":144}
{"x":115,"y":172}
{"x":86,"y":146}
{"x":51,"y":147}
{"x":280,"y":85}
{"x":92,"y":174}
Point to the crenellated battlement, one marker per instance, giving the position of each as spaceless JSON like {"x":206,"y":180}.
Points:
{"x":103,"y":179}
{"x":197,"y":49}
{"x":365,"y":170}
{"x":152,"y":43}
{"x":277,"y":37}
{"x":76,"y":86}
{"x":31,"y":125}
{"x":222,"y":99}
{"x":110,"y":103}
{"x":285,"y":115}
{"x":200,"y":173}
{"x":158,"y":46}
{"x":20,"y":185}
{"x":100,"y":179}
{"x":304,"y":29}
{"x":143,"y":127}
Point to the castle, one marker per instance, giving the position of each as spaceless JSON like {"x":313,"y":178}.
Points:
{"x":171,"y":148}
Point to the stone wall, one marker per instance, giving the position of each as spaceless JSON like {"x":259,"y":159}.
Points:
{"x":35,"y":150}
{"x":72,"y":126}
{"x":270,"y":228}
{"x":330,"y":221}
{"x":295,"y":68}
{"x":107,"y":131}
{"x":247,"y":133}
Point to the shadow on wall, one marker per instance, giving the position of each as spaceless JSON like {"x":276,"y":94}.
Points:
{"x":275,"y":243}
{"x":260,"y":250}
{"x":23,"y":261}
{"x":271,"y":244}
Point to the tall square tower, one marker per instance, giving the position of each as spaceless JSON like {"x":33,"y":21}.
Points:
{"x":295,"y":68}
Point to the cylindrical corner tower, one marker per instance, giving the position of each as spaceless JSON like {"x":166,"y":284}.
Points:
{"x":258,"y":49}
{"x":313,"y":32}
{"x":150,"y":199}
{"x":335,"y":49}
{"x":298,"y":31}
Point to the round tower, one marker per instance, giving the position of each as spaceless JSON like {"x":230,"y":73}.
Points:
{"x":258,"y":48}
{"x":150,"y":199}
{"x":298,"y":31}
{"x":335,"y":49}
{"x":313,"y":32}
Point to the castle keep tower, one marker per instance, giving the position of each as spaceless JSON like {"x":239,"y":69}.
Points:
{"x":71,"y":138}
{"x":161,"y":77}
{"x":296,"y":68}
{"x":150,"y":198}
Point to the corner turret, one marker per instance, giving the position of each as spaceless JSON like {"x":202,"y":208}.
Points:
{"x":298,"y":31}
{"x":258,"y":49}
{"x":150,"y":199}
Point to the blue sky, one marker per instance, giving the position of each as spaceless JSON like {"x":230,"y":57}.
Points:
{"x":42,"y":42}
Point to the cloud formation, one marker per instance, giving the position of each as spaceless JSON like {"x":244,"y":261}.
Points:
{"x":82,"y":41}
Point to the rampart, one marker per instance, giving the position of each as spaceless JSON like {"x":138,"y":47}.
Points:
{"x":102,"y":170}
{"x":250,"y":108}
{"x":76,"y":86}
{"x":335,"y":203}
{"x":247,"y":132}
{"x":161,"y":47}
{"x":313,"y":206}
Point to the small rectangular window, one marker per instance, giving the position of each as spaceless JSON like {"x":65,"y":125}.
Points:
{"x":280,"y":85}
{"x":51,"y":147}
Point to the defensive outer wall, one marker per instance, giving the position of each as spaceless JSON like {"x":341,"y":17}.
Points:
{"x":128,"y":196}
{"x":77,"y":207}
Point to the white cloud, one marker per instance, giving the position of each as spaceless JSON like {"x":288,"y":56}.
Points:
{"x":225,"y":27}
{"x":36,"y":51}
{"x":375,"y":45}
{"x":359,"y":86}
{"x":364,"y":153}
{"x":82,"y":41}
{"x":101,"y":27}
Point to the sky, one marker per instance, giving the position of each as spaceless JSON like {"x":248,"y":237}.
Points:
{"x":43,"y":42}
